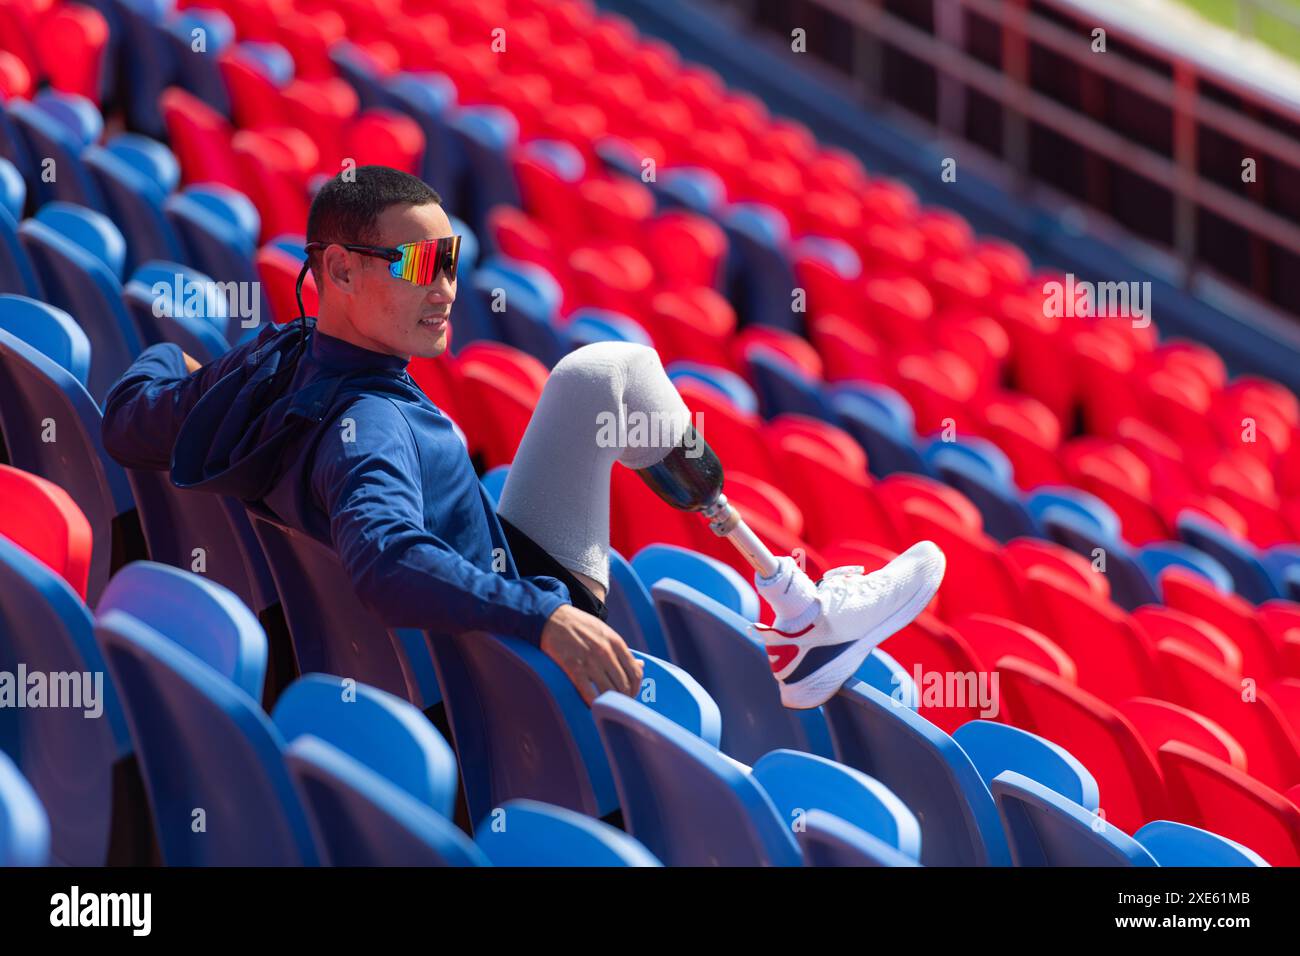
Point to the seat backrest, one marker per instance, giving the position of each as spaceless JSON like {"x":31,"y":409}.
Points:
{"x":826,"y":840}
{"x":707,"y":575}
{"x":1046,"y":829}
{"x":24,"y":826}
{"x":385,"y":733}
{"x":363,"y":819}
{"x":40,"y":401}
{"x":798,"y":783}
{"x":50,"y":330}
{"x":78,"y":281}
{"x":631,"y":609}
{"x":926,"y":769}
{"x":196,"y":614}
{"x":69,"y":759}
{"x":995,"y":747}
{"x":43,"y":519}
{"x":1131,"y":790}
{"x":682,"y":799}
{"x":212,"y":761}
{"x":714,"y":645}
{"x":1177,"y":844}
{"x":528,"y":833}
{"x":1211,"y":794}
{"x":333,"y":633}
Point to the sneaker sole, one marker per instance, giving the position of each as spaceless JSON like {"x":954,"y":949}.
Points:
{"x":820,"y":686}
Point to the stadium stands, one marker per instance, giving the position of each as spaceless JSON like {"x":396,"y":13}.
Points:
{"x":1121,"y":566}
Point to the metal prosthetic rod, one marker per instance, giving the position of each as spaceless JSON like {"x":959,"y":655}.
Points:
{"x":690,"y":479}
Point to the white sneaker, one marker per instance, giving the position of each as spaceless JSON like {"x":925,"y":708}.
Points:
{"x":856,"y":612}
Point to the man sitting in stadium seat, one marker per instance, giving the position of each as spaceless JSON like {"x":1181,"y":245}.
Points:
{"x":319,"y":422}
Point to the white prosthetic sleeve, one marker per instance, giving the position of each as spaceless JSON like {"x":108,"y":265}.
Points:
{"x":605,"y":402}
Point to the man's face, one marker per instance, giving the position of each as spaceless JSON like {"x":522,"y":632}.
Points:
{"x":396,"y":316}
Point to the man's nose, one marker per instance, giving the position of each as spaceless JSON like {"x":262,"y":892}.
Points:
{"x":442,"y":290}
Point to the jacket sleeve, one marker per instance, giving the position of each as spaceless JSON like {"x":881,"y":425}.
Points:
{"x":144,"y":410}
{"x":369,"y":487}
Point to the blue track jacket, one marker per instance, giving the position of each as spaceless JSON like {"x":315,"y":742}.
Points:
{"x":338,"y":442}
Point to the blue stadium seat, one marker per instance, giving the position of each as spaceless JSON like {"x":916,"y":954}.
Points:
{"x":363,"y":819}
{"x":428,"y":98}
{"x":632,"y":610}
{"x":759,"y":275}
{"x":196,"y":614}
{"x":926,"y":769}
{"x":37,"y":394}
{"x":333,"y":633}
{"x":78,"y":281}
{"x":212,"y":761}
{"x":495,"y":481}
{"x":484,"y":137}
{"x":528,"y":833}
{"x":384,"y":733}
{"x":1281,"y":561}
{"x":799,"y":783}
{"x":1130,"y":586}
{"x":523,"y":300}
{"x":1177,"y":844}
{"x":189,"y":311}
{"x":1154,"y":558}
{"x":735,"y":388}
{"x":135,"y":203}
{"x":1088,"y":507}
{"x":52,"y":331}
{"x":694,"y":188}
{"x":889,"y":677}
{"x":24,"y":827}
{"x":994,"y":747}
{"x":216,"y":241}
{"x":53,"y":132}
{"x":151,"y":66}
{"x":91,"y":230}
{"x":1045,"y":829}
{"x":705,"y":574}
{"x":714,"y":645}
{"x":602,"y":325}
{"x":197,"y":70}
{"x":687,"y":803}
{"x":783,"y":388}
{"x":17,"y":274}
{"x":1250,"y":578}
{"x":531,"y":736}
{"x":826,"y":840}
{"x":72,"y":762}
{"x":13,"y":190}
{"x":980,"y":471}
{"x":874,"y":418}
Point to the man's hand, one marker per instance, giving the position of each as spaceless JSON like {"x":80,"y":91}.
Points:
{"x":191,"y":363}
{"x":593,"y":656}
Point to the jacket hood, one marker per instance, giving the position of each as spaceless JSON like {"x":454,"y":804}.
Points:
{"x":248,"y":429}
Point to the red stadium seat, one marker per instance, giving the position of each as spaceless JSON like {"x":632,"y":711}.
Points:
{"x":1245,"y":710}
{"x":1131,"y":787}
{"x":41,"y":518}
{"x":994,"y":638}
{"x":1159,"y":722}
{"x":1211,"y":794}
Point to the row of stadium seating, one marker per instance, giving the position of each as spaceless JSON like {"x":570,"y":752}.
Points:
{"x":1150,"y":702}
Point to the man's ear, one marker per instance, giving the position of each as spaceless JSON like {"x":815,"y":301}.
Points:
{"x":337,"y":266}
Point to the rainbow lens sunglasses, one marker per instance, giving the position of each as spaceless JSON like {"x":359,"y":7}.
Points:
{"x":417,"y":262}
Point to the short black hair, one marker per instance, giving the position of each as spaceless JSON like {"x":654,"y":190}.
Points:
{"x":348,"y":207}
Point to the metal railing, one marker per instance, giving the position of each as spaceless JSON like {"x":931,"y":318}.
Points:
{"x":1169,"y":77}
